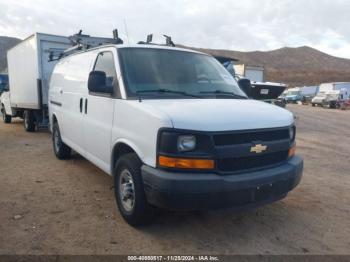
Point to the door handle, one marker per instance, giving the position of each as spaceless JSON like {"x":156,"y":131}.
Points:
{"x":86,"y":104}
{"x":81,"y":105}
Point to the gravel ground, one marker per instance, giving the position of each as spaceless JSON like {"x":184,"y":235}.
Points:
{"x":49,"y":206}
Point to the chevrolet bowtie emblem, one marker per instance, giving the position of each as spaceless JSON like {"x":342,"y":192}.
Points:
{"x":258,"y":148}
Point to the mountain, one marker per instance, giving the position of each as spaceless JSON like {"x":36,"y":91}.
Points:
{"x":5,"y":44}
{"x":293,"y":66}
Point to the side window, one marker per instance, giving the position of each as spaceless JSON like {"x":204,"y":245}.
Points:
{"x":105,"y":63}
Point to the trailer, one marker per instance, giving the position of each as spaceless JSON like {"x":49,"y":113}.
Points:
{"x":29,"y":70}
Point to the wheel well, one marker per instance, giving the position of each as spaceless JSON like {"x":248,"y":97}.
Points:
{"x":54,"y":119}
{"x":119,"y":150}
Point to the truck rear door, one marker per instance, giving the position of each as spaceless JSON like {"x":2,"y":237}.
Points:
{"x":48,"y":44}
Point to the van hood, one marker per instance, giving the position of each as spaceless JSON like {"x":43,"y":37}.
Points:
{"x":221,"y":114}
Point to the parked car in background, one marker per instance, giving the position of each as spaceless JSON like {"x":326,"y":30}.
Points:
{"x":319,"y":99}
{"x":293,"y":95}
{"x":307,"y":93}
{"x":331,"y":99}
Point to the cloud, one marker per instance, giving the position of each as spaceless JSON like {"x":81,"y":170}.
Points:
{"x":239,"y":25}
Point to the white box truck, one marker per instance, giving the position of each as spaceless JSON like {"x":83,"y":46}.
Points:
{"x":29,"y":69}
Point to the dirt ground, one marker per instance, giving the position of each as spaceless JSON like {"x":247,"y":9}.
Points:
{"x":49,"y":206}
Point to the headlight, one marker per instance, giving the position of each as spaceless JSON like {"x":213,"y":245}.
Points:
{"x":292,"y":132}
{"x":186,"y":143}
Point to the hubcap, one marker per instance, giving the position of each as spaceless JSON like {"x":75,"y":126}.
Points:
{"x":126,"y":190}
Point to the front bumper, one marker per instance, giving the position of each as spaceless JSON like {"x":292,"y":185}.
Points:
{"x":197,"y":191}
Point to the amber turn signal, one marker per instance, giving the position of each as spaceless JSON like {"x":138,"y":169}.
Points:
{"x":173,"y":162}
{"x":291,"y":151}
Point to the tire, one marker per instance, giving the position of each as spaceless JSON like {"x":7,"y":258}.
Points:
{"x":313,"y":104}
{"x":6,"y":118}
{"x":61,"y":150}
{"x":134,"y":209}
{"x":28,"y":122}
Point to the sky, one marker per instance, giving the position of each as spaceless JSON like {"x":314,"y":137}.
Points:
{"x":244,"y":25}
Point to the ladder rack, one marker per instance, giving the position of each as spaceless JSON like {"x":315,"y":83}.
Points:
{"x":81,"y":42}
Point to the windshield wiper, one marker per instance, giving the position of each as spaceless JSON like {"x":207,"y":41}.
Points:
{"x":162,"y":91}
{"x":220,"y":92}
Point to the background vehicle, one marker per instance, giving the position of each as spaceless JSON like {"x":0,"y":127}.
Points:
{"x":331,"y":99}
{"x":307,"y":93}
{"x":326,"y":87}
{"x":253,"y":73}
{"x":29,"y":69}
{"x":4,"y":81}
{"x":293,"y":95}
{"x":265,"y":91}
{"x":179,"y":135}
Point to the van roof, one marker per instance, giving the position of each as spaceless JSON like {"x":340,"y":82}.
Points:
{"x":151,"y":46}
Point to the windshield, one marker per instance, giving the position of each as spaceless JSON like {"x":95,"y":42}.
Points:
{"x":3,"y":82}
{"x":163,"y":72}
{"x":321,"y":95}
{"x":292,"y":93}
{"x":332,"y":96}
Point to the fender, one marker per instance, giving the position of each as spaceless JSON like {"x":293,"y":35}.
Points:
{"x":129,"y":144}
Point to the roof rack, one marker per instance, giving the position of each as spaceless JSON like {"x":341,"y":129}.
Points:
{"x":168,"y":41}
{"x":81,"y":41}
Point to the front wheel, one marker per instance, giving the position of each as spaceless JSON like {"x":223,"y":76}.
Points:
{"x":29,"y":124}
{"x":129,"y":191}
{"x":62,"y":151}
{"x":6,"y":118}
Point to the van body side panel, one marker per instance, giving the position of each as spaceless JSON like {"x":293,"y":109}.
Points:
{"x":67,"y":97}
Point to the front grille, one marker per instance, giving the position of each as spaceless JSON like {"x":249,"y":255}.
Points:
{"x":258,"y":161}
{"x":249,"y":137}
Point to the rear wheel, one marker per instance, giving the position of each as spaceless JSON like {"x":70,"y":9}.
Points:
{"x":6,"y":118}
{"x":29,"y":124}
{"x":62,"y":151}
{"x":129,"y":191}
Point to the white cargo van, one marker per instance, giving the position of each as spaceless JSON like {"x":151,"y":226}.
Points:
{"x":29,"y":69}
{"x":173,"y":128}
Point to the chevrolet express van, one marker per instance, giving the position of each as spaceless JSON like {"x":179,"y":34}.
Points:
{"x":173,"y":128}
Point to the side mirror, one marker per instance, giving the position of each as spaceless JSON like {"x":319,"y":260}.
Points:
{"x":97,"y":83}
{"x":245,"y":85}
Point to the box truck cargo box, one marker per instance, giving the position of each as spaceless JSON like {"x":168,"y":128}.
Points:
{"x":29,"y":69}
